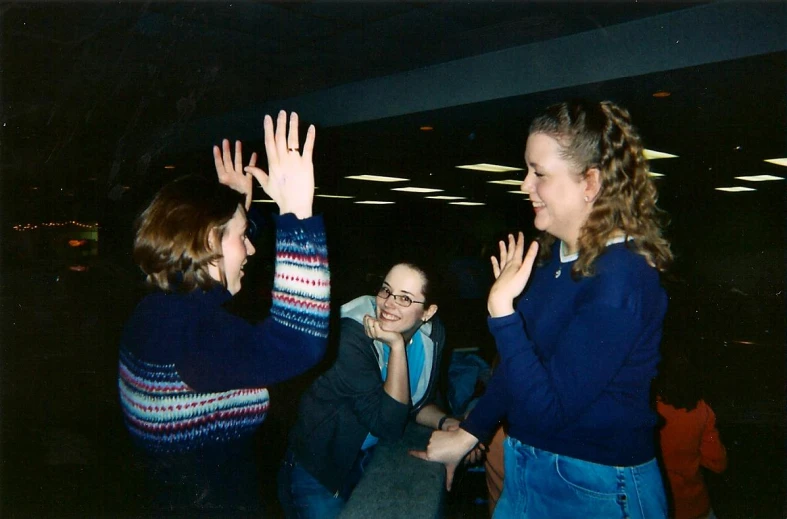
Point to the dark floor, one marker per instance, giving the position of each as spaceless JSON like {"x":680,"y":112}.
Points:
{"x":65,"y":452}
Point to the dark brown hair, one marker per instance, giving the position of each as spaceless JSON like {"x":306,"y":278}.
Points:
{"x":174,"y":234}
{"x":601,"y":135}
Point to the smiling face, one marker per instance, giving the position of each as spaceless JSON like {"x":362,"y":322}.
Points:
{"x":403,"y":280}
{"x":557,"y":190}
{"x":235,"y":248}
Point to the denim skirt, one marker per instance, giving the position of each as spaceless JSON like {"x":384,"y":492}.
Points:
{"x":540,"y":484}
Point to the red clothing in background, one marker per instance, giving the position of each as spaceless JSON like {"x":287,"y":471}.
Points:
{"x":690,"y":440}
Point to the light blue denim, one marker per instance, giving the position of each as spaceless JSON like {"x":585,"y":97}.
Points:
{"x":541,"y":484}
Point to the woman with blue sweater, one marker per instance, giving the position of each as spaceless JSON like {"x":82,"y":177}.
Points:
{"x":579,"y":347}
{"x":192,"y":376}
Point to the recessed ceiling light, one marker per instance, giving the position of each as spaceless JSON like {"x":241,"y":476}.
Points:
{"x":335,"y":196}
{"x":466,"y":203}
{"x":760,"y":178}
{"x":736,"y":189}
{"x":653,"y":154}
{"x":373,"y":202}
{"x":417,"y":189}
{"x":377,"y":178}
{"x":265,"y":201}
{"x":654,"y":174}
{"x":662,"y":93}
{"x":446,"y":197}
{"x":511,"y":182}
{"x":778,"y":162}
{"x":491,"y":168}
{"x":169,"y":167}
{"x":426,"y":128}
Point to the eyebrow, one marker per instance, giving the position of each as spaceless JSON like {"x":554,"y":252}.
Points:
{"x":405,"y":291}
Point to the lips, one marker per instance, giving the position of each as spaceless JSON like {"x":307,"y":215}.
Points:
{"x":385,"y":316}
{"x":537,"y":206}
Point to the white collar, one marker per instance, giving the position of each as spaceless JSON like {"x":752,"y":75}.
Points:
{"x":565,"y":257}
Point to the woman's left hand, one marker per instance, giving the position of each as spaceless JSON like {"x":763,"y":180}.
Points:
{"x":512,"y":272}
{"x":231,"y":172}
{"x":374,"y":329}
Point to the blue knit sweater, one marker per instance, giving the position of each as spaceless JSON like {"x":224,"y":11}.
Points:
{"x":193,"y":376}
{"x":577,"y":360}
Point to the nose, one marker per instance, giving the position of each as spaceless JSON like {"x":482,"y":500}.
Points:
{"x":527,"y":184}
{"x":250,"y":250}
{"x":389,"y":302}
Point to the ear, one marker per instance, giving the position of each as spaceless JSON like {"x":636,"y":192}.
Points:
{"x":592,"y":184}
{"x":429,"y":312}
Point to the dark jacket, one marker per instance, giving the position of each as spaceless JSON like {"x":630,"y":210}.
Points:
{"x":348,"y":401}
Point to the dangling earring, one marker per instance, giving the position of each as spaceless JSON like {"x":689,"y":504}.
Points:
{"x":587,"y":199}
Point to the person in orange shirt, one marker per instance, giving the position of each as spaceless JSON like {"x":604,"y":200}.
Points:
{"x":689,"y":439}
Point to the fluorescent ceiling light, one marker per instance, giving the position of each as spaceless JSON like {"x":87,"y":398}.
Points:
{"x":654,"y":174}
{"x":736,"y":189}
{"x":653,"y":155}
{"x":760,"y":178}
{"x":377,"y":178}
{"x":511,"y":182}
{"x":446,"y":197}
{"x":466,"y":203}
{"x":266,"y":201}
{"x":373,"y":202}
{"x":335,"y":196}
{"x":778,"y":162}
{"x":417,"y":189}
{"x":520,"y":193}
{"x":491,"y":168}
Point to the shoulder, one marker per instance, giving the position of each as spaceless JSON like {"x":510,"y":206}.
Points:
{"x":623,"y":276}
{"x":357,"y":308}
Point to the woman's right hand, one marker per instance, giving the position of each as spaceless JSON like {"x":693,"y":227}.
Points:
{"x":374,"y":330}
{"x":447,"y":448}
{"x":290,"y":178}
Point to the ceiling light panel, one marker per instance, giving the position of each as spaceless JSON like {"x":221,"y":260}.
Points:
{"x":335,"y":196}
{"x":654,"y":174}
{"x":377,"y":178}
{"x":489,"y":168}
{"x":778,"y":162}
{"x":760,"y":178}
{"x":654,"y":155}
{"x":736,"y":189}
{"x":466,"y":203}
{"x":511,"y":182}
{"x":446,"y":197}
{"x":416,"y":189}
{"x":374,"y":202}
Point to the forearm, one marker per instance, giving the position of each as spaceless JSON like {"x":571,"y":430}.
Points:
{"x":430,"y":416}
{"x":397,"y":384}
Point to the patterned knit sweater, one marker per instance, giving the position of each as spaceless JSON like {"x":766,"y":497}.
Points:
{"x":193,"y":376}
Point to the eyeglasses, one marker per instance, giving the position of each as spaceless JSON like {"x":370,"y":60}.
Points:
{"x":401,"y":300}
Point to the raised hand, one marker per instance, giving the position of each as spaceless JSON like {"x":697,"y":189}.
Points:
{"x":290,"y":178}
{"x":231,"y":172}
{"x":447,"y":448}
{"x":512,"y":272}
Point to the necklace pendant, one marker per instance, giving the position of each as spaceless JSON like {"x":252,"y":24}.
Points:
{"x":557,"y":273}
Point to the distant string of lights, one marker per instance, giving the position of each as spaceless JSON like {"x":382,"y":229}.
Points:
{"x":33,"y":226}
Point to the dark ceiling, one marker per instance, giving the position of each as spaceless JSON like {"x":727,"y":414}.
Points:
{"x":97,"y":98}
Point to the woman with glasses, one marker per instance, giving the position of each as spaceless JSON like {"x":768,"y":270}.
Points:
{"x":385,"y":374}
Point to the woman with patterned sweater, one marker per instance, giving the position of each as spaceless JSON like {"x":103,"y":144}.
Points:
{"x":579,"y":347}
{"x":192,"y":376}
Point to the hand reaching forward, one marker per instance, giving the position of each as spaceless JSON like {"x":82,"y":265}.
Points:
{"x":290,"y":178}
{"x":511,"y":274}
{"x":447,"y":448}
{"x":231,"y":173}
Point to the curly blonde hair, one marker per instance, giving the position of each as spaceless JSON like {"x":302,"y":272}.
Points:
{"x":600,"y":135}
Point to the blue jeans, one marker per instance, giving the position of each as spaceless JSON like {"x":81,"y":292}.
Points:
{"x":542,"y":484}
{"x":302,"y":496}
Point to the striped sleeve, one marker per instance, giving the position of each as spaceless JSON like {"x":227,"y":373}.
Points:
{"x":302,"y":283}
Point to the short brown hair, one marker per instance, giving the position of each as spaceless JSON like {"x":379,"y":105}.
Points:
{"x":173,"y":235}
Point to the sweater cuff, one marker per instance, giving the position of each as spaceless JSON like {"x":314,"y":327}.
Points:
{"x":289,"y":221}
